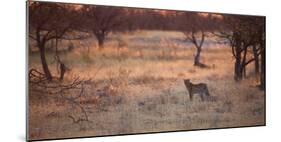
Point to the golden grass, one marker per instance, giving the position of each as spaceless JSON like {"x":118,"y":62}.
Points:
{"x":148,"y":94}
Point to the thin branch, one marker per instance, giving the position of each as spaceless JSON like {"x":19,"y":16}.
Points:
{"x":39,"y":83}
{"x":32,"y":37}
{"x":249,"y":61}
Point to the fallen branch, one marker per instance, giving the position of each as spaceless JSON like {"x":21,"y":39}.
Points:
{"x":59,"y":90}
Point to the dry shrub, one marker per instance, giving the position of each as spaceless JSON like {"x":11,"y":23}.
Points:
{"x":117,"y":83}
{"x":111,"y":93}
{"x":123,"y":77}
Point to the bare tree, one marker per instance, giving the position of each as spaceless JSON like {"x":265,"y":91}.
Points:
{"x":101,"y":20}
{"x":47,"y":22}
{"x":195,"y":32}
{"x":197,"y":38}
{"x":244,"y":33}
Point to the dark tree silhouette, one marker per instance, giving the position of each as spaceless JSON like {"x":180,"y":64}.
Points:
{"x":101,"y":20}
{"x":244,"y":33}
{"x":48,"y":21}
{"x":261,"y":37}
{"x":197,"y":38}
{"x":195,"y":28}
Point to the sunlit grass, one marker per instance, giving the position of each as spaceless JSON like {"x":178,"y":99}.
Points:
{"x":150,"y":96}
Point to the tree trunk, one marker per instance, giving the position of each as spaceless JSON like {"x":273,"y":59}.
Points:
{"x":256,"y":57}
{"x":197,"y":56}
{"x":244,"y":71}
{"x":62,"y":70}
{"x":198,"y":46}
{"x":238,"y":69}
{"x":100,"y":37}
{"x":243,"y":64}
{"x":262,"y":75}
{"x":101,"y":42}
{"x":44,"y":62}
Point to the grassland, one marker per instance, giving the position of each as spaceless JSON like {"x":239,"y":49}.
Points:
{"x":146,"y":90}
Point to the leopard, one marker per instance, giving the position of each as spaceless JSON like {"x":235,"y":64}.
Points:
{"x":200,"y":89}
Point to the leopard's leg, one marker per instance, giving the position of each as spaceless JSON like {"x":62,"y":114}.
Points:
{"x":191,"y":96}
{"x":202,"y":97}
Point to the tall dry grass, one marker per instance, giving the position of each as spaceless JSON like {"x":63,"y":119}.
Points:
{"x":143,"y":89}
